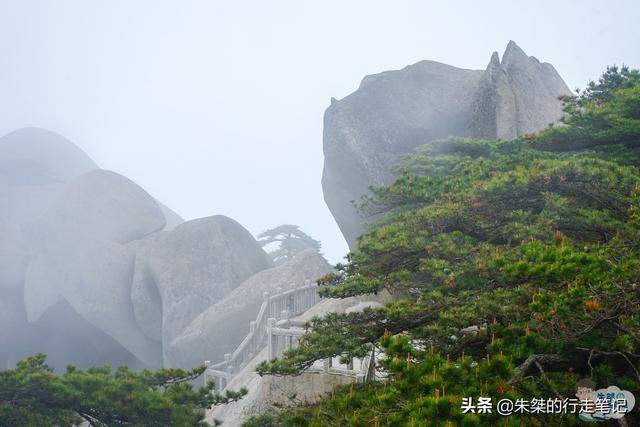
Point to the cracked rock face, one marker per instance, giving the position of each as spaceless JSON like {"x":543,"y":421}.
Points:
{"x":180,"y":273}
{"x":394,"y":112}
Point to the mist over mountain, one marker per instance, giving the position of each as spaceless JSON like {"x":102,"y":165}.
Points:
{"x":94,"y":270}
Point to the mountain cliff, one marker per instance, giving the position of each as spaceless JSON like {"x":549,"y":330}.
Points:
{"x":394,"y":112}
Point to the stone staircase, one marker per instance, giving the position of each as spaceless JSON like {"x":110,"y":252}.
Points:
{"x":276,"y":328}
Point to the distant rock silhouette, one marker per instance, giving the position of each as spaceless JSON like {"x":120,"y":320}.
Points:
{"x":394,"y":112}
{"x":51,"y":154}
{"x":93,"y":269}
{"x":34,"y":166}
{"x":103,"y":205}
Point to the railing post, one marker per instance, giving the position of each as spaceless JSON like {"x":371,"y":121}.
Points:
{"x":307,"y":302}
{"x":227,"y":359}
{"x":271,"y":322}
{"x":291,"y":300}
{"x":252,"y":331}
{"x":265,"y":297}
{"x":276,"y":304}
{"x":204,"y":375}
{"x":224,"y":379}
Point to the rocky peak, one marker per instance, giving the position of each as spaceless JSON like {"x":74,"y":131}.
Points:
{"x":514,"y":55}
{"x":47,"y":150}
{"x":518,"y":96}
{"x":494,"y":62}
{"x":394,"y":112}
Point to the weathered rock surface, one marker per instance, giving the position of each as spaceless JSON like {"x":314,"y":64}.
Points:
{"x":67,"y":338}
{"x":13,"y":256}
{"x":76,"y":256}
{"x":54,"y":156}
{"x":222,"y":326}
{"x":94,"y":278}
{"x":394,"y":112}
{"x":103,"y":205}
{"x":172,"y":219}
{"x":180,"y":273}
{"x":517,"y":96}
{"x":67,"y":263}
{"x":34,"y":165}
{"x":265,"y":393}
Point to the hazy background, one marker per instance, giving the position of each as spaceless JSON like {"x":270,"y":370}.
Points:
{"x":216,"y":107}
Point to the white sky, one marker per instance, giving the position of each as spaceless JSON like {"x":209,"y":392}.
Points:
{"x":216,"y":107}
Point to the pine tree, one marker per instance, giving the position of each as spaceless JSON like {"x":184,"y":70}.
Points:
{"x":33,"y":395}
{"x":532,"y":242}
{"x":290,"y":241}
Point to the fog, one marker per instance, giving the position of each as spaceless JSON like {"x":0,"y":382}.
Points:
{"x":216,"y":107}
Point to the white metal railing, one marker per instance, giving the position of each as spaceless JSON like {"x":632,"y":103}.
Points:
{"x":284,"y":334}
{"x":281,"y":305}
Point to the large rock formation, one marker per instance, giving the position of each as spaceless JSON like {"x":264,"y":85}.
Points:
{"x":34,"y":166}
{"x":101,"y":205}
{"x":220,"y":328}
{"x":93,"y":269}
{"x":76,"y":256}
{"x":393,"y":112}
{"x":172,"y":219}
{"x":13,"y":255}
{"x":92,"y":278}
{"x":180,"y":273}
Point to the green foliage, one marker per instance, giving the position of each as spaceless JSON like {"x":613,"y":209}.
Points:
{"x":606,"y":112}
{"x":533,"y":242}
{"x":290,"y":240}
{"x":33,"y":395}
